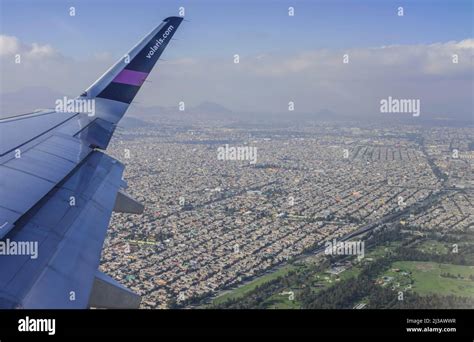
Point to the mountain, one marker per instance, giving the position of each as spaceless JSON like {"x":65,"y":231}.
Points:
{"x":211,"y":108}
{"x":203,"y":112}
{"x":132,"y":122}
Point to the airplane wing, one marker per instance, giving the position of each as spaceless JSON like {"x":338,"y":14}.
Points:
{"x":58,"y":190}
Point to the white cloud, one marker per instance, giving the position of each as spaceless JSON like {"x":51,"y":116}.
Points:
{"x":10,"y":45}
{"x":266,"y":82}
{"x":39,"y":51}
{"x":435,"y":59}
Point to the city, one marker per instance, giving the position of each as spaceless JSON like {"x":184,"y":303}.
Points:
{"x":210,"y":224}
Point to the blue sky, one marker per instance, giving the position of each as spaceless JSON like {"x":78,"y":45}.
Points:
{"x":282,"y":58}
{"x":225,"y":27}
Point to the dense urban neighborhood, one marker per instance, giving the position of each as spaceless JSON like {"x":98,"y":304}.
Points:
{"x":212,"y":224}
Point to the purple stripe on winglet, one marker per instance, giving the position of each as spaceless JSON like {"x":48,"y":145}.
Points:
{"x":131,"y":77}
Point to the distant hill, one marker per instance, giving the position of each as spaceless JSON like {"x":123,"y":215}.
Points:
{"x":29,"y":99}
{"x":204,"y":111}
{"x":213,"y":108}
{"x":132,"y":122}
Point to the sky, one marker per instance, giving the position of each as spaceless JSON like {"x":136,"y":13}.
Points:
{"x":282,"y":58}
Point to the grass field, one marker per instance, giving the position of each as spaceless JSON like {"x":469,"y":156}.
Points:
{"x":281,"y":301}
{"x":433,"y":247}
{"x":244,"y":289}
{"x":382,"y":250}
{"x":422,"y":277}
{"x":321,"y":280}
{"x":425,"y":278}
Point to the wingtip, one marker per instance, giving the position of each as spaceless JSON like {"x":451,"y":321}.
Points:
{"x":173,"y":18}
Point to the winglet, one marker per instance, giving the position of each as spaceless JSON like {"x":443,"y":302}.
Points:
{"x":119,"y":85}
